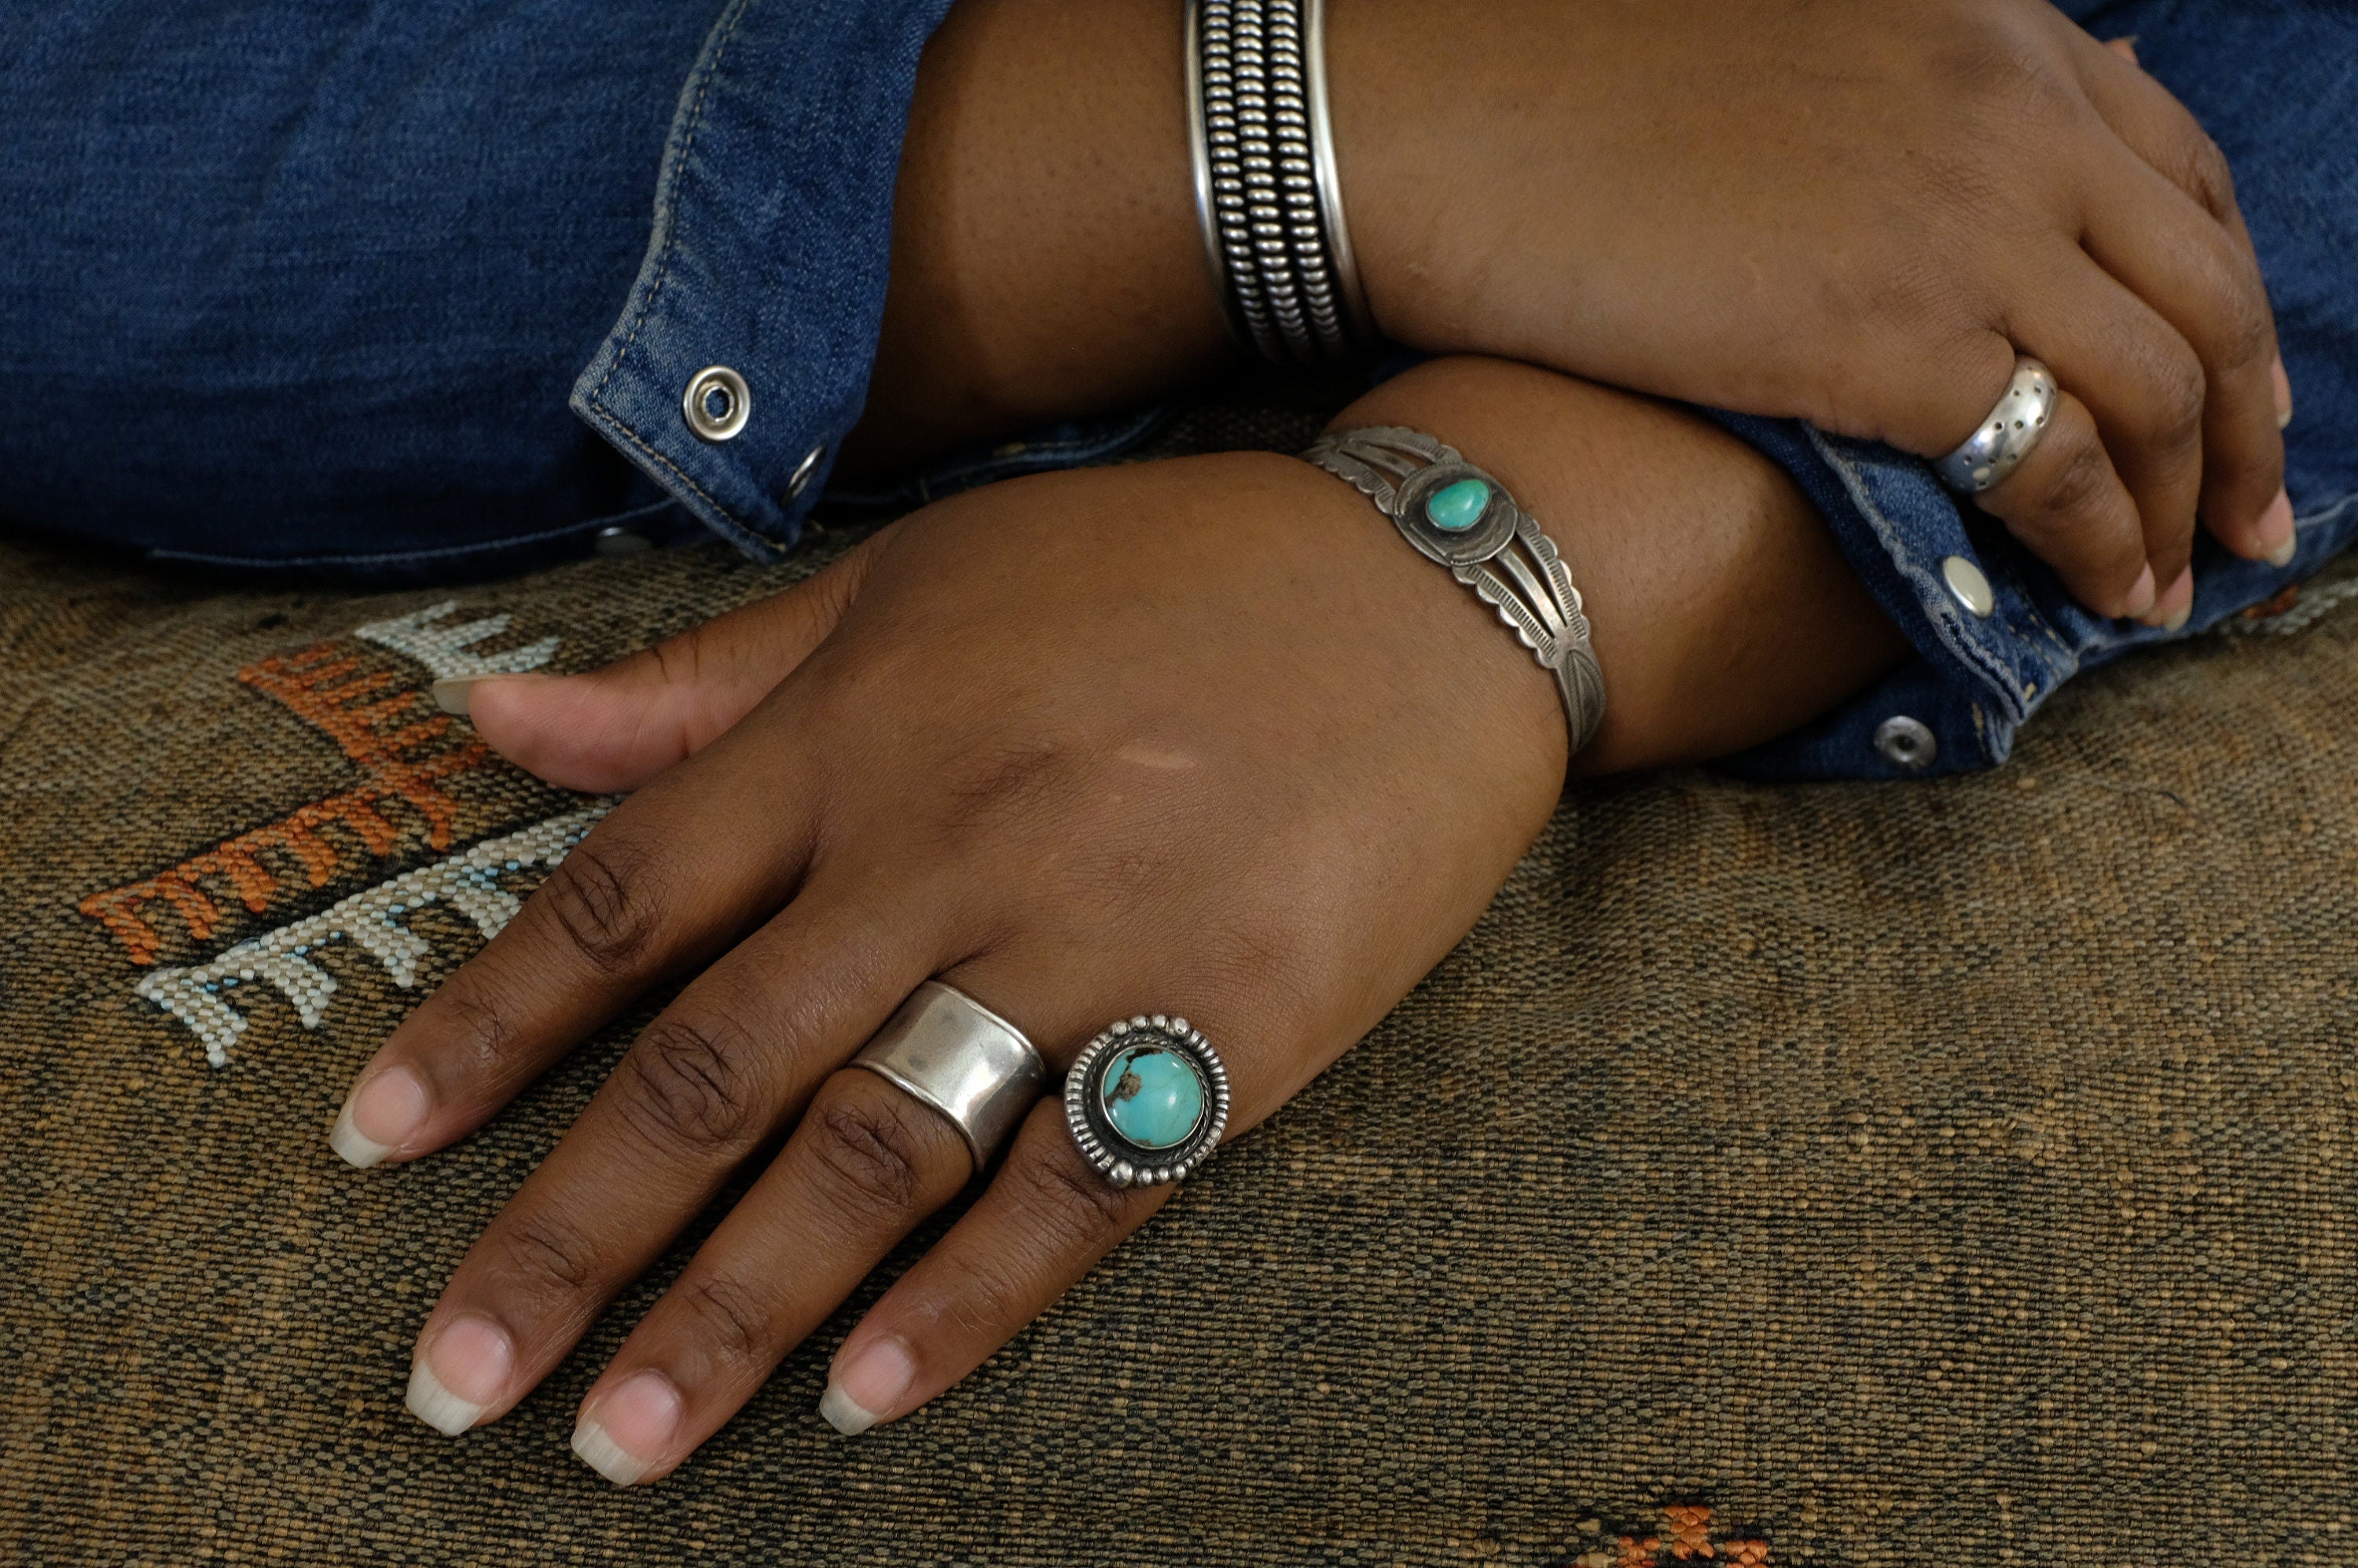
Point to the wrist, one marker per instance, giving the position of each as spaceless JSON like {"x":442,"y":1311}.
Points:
{"x":1424,"y":616}
{"x":1046,"y":261}
{"x":1427,"y":100}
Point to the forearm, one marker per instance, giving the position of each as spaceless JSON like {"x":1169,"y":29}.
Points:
{"x":1045,"y":258}
{"x":1723,"y":614}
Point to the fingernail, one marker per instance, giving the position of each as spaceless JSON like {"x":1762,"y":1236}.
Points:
{"x":2275,"y":529}
{"x":454,"y":1382}
{"x":2180,"y":600}
{"x":864,"y":1389}
{"x":2284,"y":394}
{"x":2141,"y":595}
{"x":379,"y":1116}
{"x":2176,"y":604}
{"x":633,"y":1427}
{"x":452,"y":694}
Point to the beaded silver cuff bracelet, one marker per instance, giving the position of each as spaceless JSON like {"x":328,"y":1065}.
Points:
{"x":1266,"y":192}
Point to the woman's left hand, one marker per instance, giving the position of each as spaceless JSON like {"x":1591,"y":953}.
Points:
{"x":1200,"y":737}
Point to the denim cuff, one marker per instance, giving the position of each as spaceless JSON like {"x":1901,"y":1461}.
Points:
{"x":1995,"y":631}
{"x":771,"y":238}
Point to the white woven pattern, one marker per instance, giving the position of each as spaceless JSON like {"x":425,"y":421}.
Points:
{"x":287,"y":958}
{"x":444,"y":649}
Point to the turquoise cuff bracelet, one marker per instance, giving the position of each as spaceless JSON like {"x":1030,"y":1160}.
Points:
{"x":1459,"y":516}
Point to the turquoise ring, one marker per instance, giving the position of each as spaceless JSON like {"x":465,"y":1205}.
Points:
{"x":1147,"y":1100}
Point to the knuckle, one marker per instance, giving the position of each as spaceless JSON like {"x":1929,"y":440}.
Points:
{"x":2207,"y":173}
{"x":1080,"y":1208}
{"x":870,"y":1153}
{"x":480,"y":1038}
{"x":2237,"y":324}
{"x":603,"y":897}
{"x":2008,"y":87}
{"x":2248,"y":323}
{"x":548,"y":1256}
{"x":2081,"y":477}
{"x":733,"y":1321}
{"x":2180,"y":393}
{"x":690,"y":1085}
{"x":2170,"y":391}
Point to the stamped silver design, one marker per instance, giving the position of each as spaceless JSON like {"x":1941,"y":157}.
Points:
{"x":1120,"y":1159}
{"x":1502,"y":554}
{"x":2006,"y":435}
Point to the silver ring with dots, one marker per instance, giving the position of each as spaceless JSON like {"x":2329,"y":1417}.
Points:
{"x":2006,"y":434}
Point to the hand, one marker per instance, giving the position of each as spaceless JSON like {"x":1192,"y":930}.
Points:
{"x":1199,"y":737}
{"x":1203,"y":736}
{"x":1852,"y":212}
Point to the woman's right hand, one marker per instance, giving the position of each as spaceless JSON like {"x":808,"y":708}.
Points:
{"x":1850,"y":212}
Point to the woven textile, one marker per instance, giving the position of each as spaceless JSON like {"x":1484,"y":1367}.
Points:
{"x":1950,"y":1174}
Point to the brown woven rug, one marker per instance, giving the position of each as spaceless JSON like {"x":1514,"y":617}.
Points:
{"x":1937,"y":1175}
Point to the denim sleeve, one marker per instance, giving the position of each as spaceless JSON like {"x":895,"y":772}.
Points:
{"x":768,"y":255}
{"x":1995,"y":632}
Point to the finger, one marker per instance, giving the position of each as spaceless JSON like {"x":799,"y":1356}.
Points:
{"x":665,"y":882}
{"x":864,"y":1167}
{"x":2142,"y":382}
{"x":2190,"y":270}
{"x":853,"y":1179}
{"x":614,"y":728}
{"x":2244,"y":452}
{"x":1938,"y":411}
{"x":2070,"y":510}
{"x":867,"y":1162}
{"x":1044,"y":1221}
{"x":711,"y":1080}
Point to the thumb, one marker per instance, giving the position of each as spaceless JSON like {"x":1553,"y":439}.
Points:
{"x":616,"y":727}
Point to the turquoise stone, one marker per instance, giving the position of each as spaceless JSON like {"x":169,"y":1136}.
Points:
{"x":1454,"y":508}
{"x":1154,"y":1097}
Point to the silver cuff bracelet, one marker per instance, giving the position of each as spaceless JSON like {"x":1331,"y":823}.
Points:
{"x":1460,"y":516}
{"x":1266,"y":192}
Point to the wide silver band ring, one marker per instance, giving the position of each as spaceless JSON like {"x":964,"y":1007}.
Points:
{"x":956,"y":1055}
{"x":2006,"y":435}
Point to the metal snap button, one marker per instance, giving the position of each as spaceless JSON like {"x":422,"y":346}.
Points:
{"x":717,"y":404}
{"x":799,"y":481}
{"x":615,"y":541}
{"x":1966,"y":582}
{"x":1906,"y":742}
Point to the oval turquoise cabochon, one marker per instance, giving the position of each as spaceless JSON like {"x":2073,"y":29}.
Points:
{"x":1454,"y":508}
{"x":1154,"y":1097}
